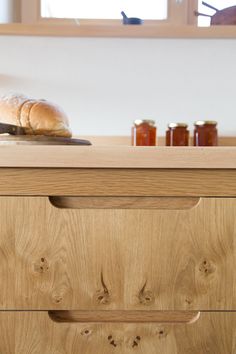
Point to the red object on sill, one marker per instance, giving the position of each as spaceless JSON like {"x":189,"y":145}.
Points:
{"x":205,"y":133}
{"x":144,"y":133}
{"x":177,"y":134}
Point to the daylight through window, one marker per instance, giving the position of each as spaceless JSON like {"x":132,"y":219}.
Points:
{"x":104,"y":9}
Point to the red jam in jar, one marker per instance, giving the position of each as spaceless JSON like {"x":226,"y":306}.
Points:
{"x":205,"y":133}
{"x":144,"y":133}
{"x":177,"y":134}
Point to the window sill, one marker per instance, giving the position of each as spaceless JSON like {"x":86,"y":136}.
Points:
{"x":120,"y":31}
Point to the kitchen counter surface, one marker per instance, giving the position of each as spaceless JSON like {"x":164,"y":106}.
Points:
{"x":118,"y":157}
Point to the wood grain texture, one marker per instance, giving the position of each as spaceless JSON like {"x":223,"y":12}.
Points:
{"x":124,"y":316}
{"x":7,"y":332}
{"x":36,"y":334}
{"x":118,"y":157}
{"x":7,"y":254}
{"x":149,"y":31}
{"x":124,"y":203}
{"x":186,"y":260}
{"x":117,"y":182}
{"x":123,"y":259}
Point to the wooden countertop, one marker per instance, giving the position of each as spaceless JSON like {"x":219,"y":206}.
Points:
{"x":118,"y":157}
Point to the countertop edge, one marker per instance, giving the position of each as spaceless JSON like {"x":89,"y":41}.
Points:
{"x":117,"y":157}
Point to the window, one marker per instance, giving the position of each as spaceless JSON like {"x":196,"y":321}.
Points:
{"x":162,"y":18}
{"x":161,"y":11}
{"x":104,"y":9}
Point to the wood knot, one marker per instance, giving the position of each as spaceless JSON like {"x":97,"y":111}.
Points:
{"x":57,"y":299}
{"x":86,"y":332}
{"x":206,"y":268}
{"x":161,"y":332}
{"x":103,"y":296}
{"x":134,"y":342}
{"x":188,"y":301}
{"x":113,"y":342}
{"x":41,"y":266}
{"x":146,"y":297}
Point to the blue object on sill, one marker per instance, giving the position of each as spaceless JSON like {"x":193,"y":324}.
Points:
{"x":131,"y":20}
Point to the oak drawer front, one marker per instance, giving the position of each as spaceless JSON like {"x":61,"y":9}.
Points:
{"x":37,"y":333}
{"x":158,"y":258}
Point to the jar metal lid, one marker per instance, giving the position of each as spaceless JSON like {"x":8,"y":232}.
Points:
{"x":205,"y":122}
{"x":141,"y":121}
{"x":177,"y":125}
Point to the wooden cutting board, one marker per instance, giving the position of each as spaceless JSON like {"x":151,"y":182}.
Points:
{"x":40,"y":140}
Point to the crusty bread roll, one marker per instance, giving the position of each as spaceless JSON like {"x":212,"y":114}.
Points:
{"x":38,"y":117}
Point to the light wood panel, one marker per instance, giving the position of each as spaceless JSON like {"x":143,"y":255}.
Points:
{"x":117,"y":182}
{"x":123,"y":259}
{"x":7,"y":254}
{"x":63,"y":258}
{"x":7,"y":332}
{"x":144,"y":31}
{"x":35,"y":333}
{"x":118,"y":157}
{"x":182,"y":260}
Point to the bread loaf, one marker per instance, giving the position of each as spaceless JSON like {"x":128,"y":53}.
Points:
{"x":38,"y":117}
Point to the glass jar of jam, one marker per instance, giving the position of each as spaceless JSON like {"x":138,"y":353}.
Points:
{"x":177,"y":134}
{"x":144,"y":133}
{"x":205,"y":133}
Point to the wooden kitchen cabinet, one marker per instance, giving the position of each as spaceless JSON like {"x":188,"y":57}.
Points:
{"x":112,"y":237}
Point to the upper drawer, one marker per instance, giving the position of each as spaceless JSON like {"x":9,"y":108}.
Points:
{"x":168,"y":254}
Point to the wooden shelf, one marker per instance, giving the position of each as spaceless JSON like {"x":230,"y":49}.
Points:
{"x":99,"y":140}
{"x":118,"y":157}
{"x":132,"y":31}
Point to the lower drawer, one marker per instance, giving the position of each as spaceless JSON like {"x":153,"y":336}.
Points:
{"x":62,"y":333}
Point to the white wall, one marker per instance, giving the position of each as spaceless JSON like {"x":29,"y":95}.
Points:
{"x":6,"y":13}
{"x":104,"y":84}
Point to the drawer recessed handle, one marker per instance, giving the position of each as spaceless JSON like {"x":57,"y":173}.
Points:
{"x":162,"y":203}
{"x":122,"y":316}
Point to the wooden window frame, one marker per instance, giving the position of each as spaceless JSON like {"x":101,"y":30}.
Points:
{"x":33,"y":24}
